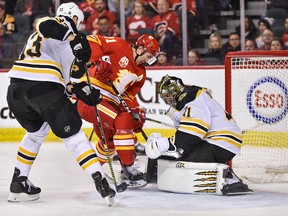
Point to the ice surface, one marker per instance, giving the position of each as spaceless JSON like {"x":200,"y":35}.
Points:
{"x":68,"y":191}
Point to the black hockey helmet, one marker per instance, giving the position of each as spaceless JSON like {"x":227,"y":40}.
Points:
{"x":170,"y":88}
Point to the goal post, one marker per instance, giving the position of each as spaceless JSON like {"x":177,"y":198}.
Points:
{"x":256,"y":94}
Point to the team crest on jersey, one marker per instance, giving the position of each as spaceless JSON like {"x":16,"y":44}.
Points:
{"x":123,"y":62}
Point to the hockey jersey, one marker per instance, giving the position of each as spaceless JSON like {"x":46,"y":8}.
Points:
{"x":127,"y":77}
{"x":198,"y":114}
{"x":43,"y":58}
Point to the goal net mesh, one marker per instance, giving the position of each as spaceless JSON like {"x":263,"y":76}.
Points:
{"x":256,"y":95}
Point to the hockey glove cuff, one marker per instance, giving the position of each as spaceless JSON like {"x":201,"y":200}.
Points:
{"x":82,"y":91}
{"x":80,"y":47}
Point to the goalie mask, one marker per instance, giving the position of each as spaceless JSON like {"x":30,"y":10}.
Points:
{"x":170,"y":88}
{"x":70,"y":9}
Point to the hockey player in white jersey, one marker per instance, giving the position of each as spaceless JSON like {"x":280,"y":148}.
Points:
{"x":205,"y":131}
{"x":37,"y":95}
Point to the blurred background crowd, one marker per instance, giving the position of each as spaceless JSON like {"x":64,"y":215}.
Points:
{"x":213,"y":26}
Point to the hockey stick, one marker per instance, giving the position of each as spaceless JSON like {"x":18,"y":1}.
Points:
{"x":123,"y":186}
{"x":91,"y":135}
{"x":159,"y":122}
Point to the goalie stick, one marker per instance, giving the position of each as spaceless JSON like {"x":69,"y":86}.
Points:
{"x":121,"y":187}
{"x":159,"y":122}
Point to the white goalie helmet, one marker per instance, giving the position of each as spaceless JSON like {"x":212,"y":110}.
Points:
{"x":70,"y":9}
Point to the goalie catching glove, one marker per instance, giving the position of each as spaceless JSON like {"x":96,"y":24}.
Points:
{"x":160,"y":146}
{"x":82,"y":91}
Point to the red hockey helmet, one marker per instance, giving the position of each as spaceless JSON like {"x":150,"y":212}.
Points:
{"x":150,"y":44}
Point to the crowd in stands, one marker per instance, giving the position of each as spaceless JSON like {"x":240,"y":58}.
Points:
{"x":161,"y":18}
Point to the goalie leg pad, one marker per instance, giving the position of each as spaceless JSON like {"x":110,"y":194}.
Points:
{"x":199,"y":178}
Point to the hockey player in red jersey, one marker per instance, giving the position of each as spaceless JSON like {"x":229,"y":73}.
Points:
{"x":124,"y":66}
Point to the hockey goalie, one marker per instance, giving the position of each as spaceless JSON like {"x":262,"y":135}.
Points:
{"x":207,"y":137}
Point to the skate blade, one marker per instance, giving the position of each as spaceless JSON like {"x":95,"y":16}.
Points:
{"x":135,"y":184}
{"x":109,"y":200}
{"x":239,"y":193}
{"x":22,"y":197}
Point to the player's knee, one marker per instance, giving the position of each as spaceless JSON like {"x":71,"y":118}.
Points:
{"x":40,"y":135}
{"x":73,"y":141}
{"x":67,"y":131}
{"x":124,"y":120}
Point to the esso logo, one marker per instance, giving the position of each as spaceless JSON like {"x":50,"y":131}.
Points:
{"x":267,"y":100}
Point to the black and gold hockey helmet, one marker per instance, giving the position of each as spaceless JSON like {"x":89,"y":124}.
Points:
{"x":170,"y":88}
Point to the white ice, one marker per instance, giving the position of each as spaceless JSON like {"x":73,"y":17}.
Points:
{"x":67,"y":190}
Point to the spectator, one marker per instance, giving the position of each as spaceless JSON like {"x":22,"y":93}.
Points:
{"x":233,"y":44}
{"x":6,"y":47}
{"x":116,"y":28}
{"x":267,"y":37}
{"x":8,"y":6}
{"x":167,"y":28}
{"x":24,"y":7}
{"x":92,"y":22}
{"x":250,"y":45}
{"x":278,"y":4}
{"x":277,"y":44}
{"x":42,"y":8}
{"x":151,"y":7}
{"x":208,"y":11}
{"x":114,"y":6}
{"x":88,"y":8}
{"x":104,"y":27}
{"x":22,"y":14}
{"x":215,"y":50}
{"x":176,"y":5}
{"x":138,"y":20}
{"x":264,"y":23}
{"x":250,"y":28}
{"x":194,"y":57}
{"x":9,"y":21}
{"x":284,"y":37}
{"x":162,"y":59}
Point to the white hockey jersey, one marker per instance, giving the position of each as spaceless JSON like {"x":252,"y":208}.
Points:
{"x":45,"y":59}
{"x":198,"y":114}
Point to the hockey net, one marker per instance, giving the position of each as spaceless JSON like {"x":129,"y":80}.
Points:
{"x":256,"y":95}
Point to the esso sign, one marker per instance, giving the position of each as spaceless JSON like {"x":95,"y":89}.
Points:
{"x":267,"y":100}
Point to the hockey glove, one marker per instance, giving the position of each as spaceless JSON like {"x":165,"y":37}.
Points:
{"x":80,"y":47}
{"x":161,"y":146}
{"x":156,"y":146}
{"x":82,"y":91}
{"x":77,"y":69}
{"x":104,"y":70}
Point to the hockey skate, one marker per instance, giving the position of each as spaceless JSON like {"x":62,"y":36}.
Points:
{"x":22,"y":190}
{"x":140,"y":149}
{"x":133,"y":177}
{"x":234,"y":185}
{"x":238,"y":188}
{"x":103,"y":188}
